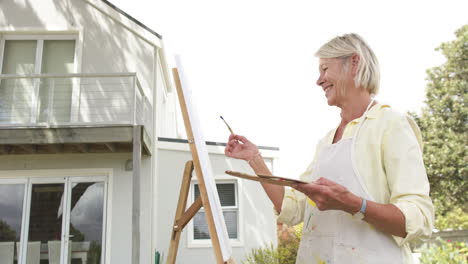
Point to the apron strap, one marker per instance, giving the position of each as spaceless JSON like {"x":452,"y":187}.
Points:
{"x":353,"y":152}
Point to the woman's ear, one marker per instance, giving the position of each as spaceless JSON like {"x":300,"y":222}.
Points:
{"x":355,"y":59}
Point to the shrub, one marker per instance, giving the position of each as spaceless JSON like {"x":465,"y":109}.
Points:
{"x":267,"y":255}
{"x":445,"y":252}
{"x":285,"y":253}
{"x":454,"y":219}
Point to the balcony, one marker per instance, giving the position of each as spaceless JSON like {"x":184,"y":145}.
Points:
{"x":54,"y":113}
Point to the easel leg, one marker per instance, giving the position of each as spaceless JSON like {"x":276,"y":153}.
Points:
{"x":181,"y":205}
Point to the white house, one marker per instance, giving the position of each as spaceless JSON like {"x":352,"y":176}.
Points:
{"x":91,"y":158}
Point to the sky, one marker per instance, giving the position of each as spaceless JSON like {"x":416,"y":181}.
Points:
{"x":252,"y":61}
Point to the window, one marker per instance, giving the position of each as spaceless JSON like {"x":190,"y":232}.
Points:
{"x":36,"y":100}
{"x":52,"y":220}
{"x":229,"y":203}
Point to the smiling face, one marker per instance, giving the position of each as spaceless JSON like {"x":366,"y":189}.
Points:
{"x":335,"y":79}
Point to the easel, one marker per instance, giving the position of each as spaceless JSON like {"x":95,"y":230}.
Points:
{"x":182,"y":216}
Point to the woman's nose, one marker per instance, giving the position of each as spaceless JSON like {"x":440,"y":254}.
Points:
{"x":320,"y":81}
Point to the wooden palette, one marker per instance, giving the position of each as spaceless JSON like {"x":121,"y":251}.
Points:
{"x":277,"y":180}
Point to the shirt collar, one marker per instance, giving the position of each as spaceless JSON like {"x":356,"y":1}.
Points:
{"x":373,"y":112}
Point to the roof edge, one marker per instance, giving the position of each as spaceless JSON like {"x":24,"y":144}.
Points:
{"x":132,"y":19}
{"x":209,"y":143}
{"x":126,"y":15}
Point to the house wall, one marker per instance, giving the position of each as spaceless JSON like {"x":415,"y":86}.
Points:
{"x":106,"y":45}
{"x":106,"y":42}
{"x":119,"y":193}
{"x":257,"y":219}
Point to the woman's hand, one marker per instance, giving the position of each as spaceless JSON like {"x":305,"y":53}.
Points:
{"x":329,"y":195}
{"x":239,"y":147}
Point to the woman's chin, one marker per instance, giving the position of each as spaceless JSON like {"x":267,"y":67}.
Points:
{"x":330,"y":101}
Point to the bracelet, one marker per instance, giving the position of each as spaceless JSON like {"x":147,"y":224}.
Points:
{"x":255,"y":156}
{"x":363,"y":206}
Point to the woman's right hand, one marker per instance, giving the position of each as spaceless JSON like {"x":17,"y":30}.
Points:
{"x":240,"y":147}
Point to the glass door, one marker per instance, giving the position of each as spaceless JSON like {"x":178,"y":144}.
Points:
{"x":11,"y":217}
{"x":86,"y":221}
{"x":55,"y":94}
{"x":53,"y":220}
{"x":45,"y":221}
{"x":16,"y":95}
{"x":31,"y":100}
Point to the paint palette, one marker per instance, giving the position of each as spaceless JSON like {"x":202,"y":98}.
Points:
{"x":277,"y":180}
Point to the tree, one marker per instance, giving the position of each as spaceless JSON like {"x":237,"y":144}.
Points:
{"x":7,"y":233}
{"x":443,"y":123}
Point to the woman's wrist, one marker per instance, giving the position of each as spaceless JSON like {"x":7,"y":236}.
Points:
{"x":258,"y":164}
{"x":354,"y":204}
{"x":254,"y":157}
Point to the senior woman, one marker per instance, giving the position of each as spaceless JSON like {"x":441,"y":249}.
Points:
{"x":368,"y":194}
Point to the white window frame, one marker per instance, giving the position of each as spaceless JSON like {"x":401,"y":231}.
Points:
{"x":206,"y":243}
{"x":67,"y":177}
{"x":39,"y":38}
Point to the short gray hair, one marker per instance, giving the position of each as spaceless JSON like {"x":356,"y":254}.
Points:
{"x":368,"y":74}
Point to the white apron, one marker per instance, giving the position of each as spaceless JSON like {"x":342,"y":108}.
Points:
{"x":335,"y":236}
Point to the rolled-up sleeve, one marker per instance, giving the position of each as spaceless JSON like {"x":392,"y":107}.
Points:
{"x":292,"y":209}
{"x":407,"y":178}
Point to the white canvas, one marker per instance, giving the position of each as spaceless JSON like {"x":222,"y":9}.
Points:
{"x":205,"y":164}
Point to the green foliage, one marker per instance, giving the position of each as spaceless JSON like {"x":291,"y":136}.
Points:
{"x":454,"y":219}
{"x":267,"y":255}
{"x":445,"y":252}
{"x":7,"y":233}
{"x":298,"y":230}
{"x":94,"y":253}
{"x":444,"y":125}
{"x":285,"y":253}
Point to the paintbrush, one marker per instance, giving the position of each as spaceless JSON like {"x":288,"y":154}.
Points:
{"x":232,"y":132}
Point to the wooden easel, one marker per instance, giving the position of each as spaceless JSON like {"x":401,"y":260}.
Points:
{"x":182,"y":216}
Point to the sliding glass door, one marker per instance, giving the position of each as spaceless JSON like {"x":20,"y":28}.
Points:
{"x":12,"y":197}
{"x":31,"y":100}
{"x":55,"y":95}
{"x":85,"y":225}
{"x":17,"y":95}
{"x":52,"y":220}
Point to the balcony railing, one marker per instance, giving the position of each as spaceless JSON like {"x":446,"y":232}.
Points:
{"x":73,"y":100}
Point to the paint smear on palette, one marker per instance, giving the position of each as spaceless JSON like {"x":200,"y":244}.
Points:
{"x":311,"y":202}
